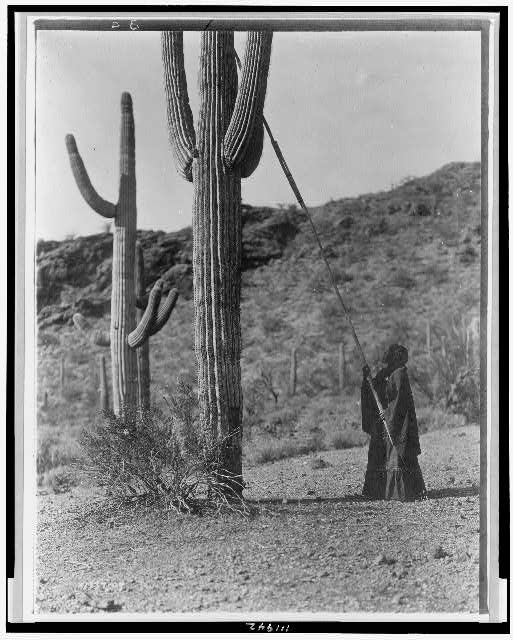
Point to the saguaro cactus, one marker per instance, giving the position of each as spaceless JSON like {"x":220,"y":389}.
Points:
{"x":151,"y":318}
{"x":227,"y":147}
{"x":104,"y":387}
{"x":124,"y":213}
{"x":293,"y":372}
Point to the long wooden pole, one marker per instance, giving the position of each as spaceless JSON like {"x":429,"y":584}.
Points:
{"x":303,"y":206}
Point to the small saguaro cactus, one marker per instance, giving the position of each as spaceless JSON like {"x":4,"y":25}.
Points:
{"x":124,"y":214}
{"x":150,"y":318}
{"x":226,"y":147}
{"x":293,"y":372}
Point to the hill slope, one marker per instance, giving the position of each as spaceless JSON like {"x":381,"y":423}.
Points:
{"x":400,"y":257}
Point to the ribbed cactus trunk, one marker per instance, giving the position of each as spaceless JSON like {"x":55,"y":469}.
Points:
{"x":124,"y":213}
{"x":293,"y":372}
{"x":217,"y":253}
{"x":227,"y":148}
{"x":143,"y":352}
{"x":103,"y":387}
{"x":124,"y":360}
{"x":428,"y":338}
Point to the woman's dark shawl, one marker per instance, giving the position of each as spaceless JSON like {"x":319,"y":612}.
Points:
{"x":392,"y":471}
{"x":397,"y":400}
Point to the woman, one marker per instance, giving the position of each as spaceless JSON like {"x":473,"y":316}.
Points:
{"x":393,"y":472}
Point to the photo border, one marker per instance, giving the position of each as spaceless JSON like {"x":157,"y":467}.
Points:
{"x":424,"y":20}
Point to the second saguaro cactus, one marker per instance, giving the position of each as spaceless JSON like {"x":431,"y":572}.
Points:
{"x":150,"y":318}
{"x":226,"y":147}
{"x":124,"y":213}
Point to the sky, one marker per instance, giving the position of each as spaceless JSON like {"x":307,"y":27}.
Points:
{"x":354,"y":112}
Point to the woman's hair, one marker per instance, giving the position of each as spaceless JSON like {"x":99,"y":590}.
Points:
{"x":396,"y":354}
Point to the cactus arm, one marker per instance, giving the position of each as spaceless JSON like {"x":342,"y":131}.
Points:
{"x":164,"y":311}
{"x":251,"y":161}
{"x":179,"y":115}
{"x":143,"y":330}
{"x":96,"y":202}
{"x":243,"y":141}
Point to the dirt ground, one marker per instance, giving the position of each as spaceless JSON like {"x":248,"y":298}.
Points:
{"x":313,"y":544}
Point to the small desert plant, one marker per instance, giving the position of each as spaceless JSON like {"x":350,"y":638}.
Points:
{"x":60,"y":479}
{"x":279,"y":450}
{"x":433,"y":418}
{"x":162,"y":455}
{"x":51,"y":454}
{"x":348,"y":439}
{"x":403,"y":280}
{"x":447,"y":375}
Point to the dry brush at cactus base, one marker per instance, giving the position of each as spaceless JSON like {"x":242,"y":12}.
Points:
{"x":401,"y":257}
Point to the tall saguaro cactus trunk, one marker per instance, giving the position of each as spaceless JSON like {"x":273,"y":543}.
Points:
{"x":124,"y":213}
{"x":227,"y":148}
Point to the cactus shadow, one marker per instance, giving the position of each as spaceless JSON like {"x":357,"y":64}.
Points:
{"x":433,"y":494}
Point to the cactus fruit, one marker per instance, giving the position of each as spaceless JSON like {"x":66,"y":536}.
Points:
{"x":124,"y":213}
{"x":227,"y":147}
{"x":293,"y":372}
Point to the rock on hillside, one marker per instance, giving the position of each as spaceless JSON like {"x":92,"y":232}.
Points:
{"x":75,"y":275}
{"x":365,"y":232}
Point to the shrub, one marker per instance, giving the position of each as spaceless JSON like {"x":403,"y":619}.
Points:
{"x":446,"y":375}
{"x":272,"y":324}
{"x":278,"y":450}
{"x":403,"y":280}
{"x":433,"y":418}
{"x":51,"y":454}
{"x":468,"y":255}
{"x":347,"y":439}
{"x":61,"y":479}
{"x":162,"y":456}
{"x":463,"y":396}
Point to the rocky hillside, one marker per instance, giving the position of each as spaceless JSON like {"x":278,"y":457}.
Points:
{"x":400,"y":257}
{"x":75,"y":275}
